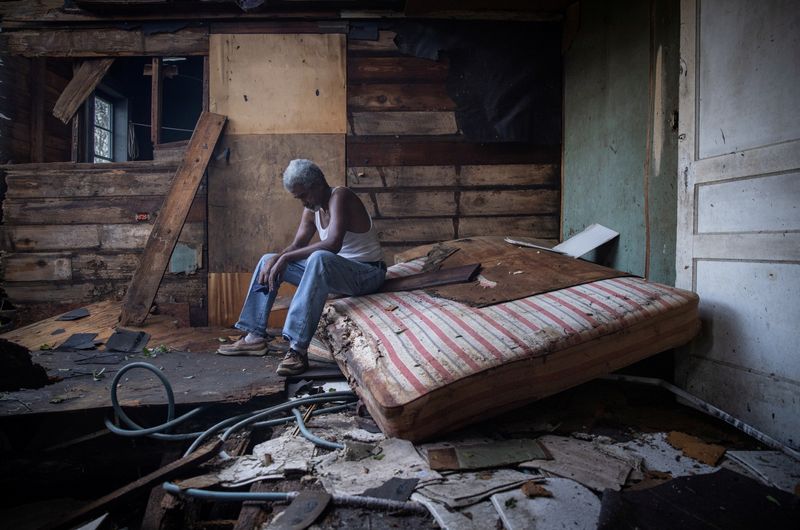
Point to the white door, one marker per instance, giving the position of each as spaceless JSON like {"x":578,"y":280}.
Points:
{"x":739,"y":207}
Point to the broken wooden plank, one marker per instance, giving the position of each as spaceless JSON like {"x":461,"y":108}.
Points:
{"x":165,"y":473}
{"x":89,"y":210}
{"x":389,"y":69}
{"x":84,"y":81}
{"x":105,"y":43}
{"x":165,"y":232}
{"x":423,"y":280}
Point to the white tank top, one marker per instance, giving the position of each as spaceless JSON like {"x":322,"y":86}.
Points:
{"x":358,"y":247}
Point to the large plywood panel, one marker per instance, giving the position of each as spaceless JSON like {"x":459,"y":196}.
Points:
{"x":249,"y":211}
{"x":752,"y":313}
{"x":748,"y":74}
{"x":279,"y":84}
{"x":767,"y":204}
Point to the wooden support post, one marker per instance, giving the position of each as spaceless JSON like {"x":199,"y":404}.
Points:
{"x":83,"y":82}
{"x":169,"y":222}
{"x":37,"y":83}
{"x":155,"y":101}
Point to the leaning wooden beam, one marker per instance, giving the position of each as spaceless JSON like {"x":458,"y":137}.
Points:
{"x":164,"y":235}
{"x":84,"y":81}
{"x":103,"y":42}
{"x":156,"y":477}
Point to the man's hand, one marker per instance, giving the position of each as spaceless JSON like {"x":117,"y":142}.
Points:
{"x":263,"y":276}
{"x":275,"y":272}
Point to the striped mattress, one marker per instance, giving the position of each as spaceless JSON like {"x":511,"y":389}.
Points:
{"x":425,"y":365}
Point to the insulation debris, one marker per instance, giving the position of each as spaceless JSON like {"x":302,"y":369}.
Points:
{"x":463,"y":489}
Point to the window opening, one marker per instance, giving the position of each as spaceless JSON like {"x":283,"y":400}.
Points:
{"x":103,"y":130}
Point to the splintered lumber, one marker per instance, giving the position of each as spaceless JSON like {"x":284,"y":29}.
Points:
{"x":423,"y":280}
{"x":165,"y":473}
{"x":86,"y":78}
{"x":167,"y":227}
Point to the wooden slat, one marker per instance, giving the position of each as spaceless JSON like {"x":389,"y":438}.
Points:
{"x":468,"y":175}
{"x":105,"y":43}
{"x":407,"y":123}
{"x":404,"y":230}
{"x":93,"y":183}
{"x":406,"y":96}
{"x":135,"y":236}
{"x":37,"y":267}
{"x":415,"y":203}
{"x":158,"y":476}
{"x":88,"y":266}
{"x":137,"y":165}
{"x":90,"y":210}
{"x":162,"y":239}
{"x":58,"y":237}
{"x":86,"y":78}
{"x":543,"y":226}
{"x":384,"y":43}
{"x":382,"y":151}
{"x":509,"y":202}
{"x":510,"y":175}
{"x":395,"y":69}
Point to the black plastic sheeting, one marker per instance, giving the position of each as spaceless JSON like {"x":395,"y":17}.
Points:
{"x":505,"y":77}
{"x":723,"y":499}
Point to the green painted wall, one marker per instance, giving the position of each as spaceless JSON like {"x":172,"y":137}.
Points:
{"x":609,"y":110}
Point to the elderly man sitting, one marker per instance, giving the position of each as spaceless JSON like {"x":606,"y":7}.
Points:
{"x":347,"y":260}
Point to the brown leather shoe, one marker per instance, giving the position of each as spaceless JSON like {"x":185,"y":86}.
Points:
{"x":240,"y":347}
{"x":293,"y":363}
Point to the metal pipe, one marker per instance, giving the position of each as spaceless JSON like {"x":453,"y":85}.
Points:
{"x":708,"y":408}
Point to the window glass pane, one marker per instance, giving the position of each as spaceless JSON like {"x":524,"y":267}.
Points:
{"x":102,"y":143}
{"x":102,"y":113}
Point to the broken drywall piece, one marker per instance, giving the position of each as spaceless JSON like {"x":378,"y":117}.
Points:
{"x":773,"y":467}
{"x":492,"y":453}
{"x":571,"y":506}
{"x":658,"y":455}
{"x":392,"y":457}
{"x":582,"y":461}
{"x":479,"y":516}
{"x":272,"y":459}
{"x":395,"y":489}
{"x":589,"y":239}
{"x":463,"y":489}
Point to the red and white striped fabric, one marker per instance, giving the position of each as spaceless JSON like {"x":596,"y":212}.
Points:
{"x":420,"y":343}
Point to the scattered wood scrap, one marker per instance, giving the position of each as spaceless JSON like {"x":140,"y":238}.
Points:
{"x":696,"y":448}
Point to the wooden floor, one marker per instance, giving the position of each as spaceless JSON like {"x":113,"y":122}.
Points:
{"x":196,"y":373}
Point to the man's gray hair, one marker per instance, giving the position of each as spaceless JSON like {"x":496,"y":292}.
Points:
{"x":302,"y":172}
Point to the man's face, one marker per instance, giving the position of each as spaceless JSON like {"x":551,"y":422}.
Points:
{"x":311,"y":197}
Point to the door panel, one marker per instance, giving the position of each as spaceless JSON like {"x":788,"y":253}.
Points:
{"x":738,"y":207}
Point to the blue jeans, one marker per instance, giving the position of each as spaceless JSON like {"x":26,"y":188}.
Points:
{"x":317,"y":276}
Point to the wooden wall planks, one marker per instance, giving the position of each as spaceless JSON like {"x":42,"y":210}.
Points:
{"x":72,"y":234}
{"x":420,"y":178}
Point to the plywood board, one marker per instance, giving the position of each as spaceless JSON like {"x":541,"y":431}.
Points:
{"x":226,"y":294}
{"x":249,"y":211}
{"x":279,"y":84}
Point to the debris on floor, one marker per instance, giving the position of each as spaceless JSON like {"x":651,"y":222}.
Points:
{"x":571,"y":506}
{"x":773,"y":467}
{"x":693,"y":447}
